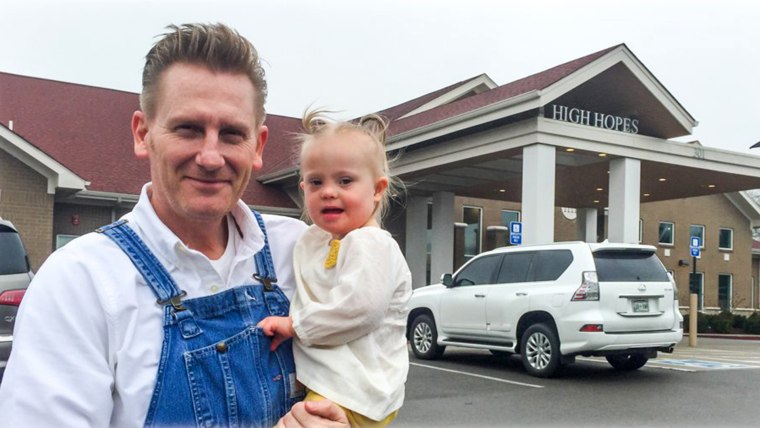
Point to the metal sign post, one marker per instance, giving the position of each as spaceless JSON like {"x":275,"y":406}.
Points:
{"x":695,"y":242}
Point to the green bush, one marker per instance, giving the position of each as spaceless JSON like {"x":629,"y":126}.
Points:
{"x":752,"y":324}
{"x":721,"y":323}
{"x":739,"y":321}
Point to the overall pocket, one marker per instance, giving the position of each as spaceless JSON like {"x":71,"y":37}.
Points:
{"x":255,"y":381}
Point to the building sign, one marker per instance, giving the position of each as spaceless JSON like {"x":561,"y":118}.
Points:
{"x":592,"y":118}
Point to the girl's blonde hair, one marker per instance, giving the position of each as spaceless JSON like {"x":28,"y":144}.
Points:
{"x":317,"y":124}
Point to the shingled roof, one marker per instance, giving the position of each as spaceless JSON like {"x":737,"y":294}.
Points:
{"x":533,"y":82}
{"x":87,"y":130}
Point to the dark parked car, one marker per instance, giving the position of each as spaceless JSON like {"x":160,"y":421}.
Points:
{"x":15,"y":275}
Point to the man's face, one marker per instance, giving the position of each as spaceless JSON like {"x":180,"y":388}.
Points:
{"x":202,"y":143}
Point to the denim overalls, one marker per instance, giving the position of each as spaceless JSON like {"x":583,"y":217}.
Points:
{"x":216,"y":368}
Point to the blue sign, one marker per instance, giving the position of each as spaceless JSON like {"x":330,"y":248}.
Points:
{"x":695,"y":242}
{"x":515,"y":238}
{"x":515,"y":227}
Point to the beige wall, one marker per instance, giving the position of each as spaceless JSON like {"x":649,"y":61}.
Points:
{"x":25,"y":202}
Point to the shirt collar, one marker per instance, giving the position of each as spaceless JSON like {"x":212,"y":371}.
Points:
{"x":167,"y":245}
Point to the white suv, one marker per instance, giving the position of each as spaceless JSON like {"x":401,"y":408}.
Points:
{"x":552,"y":302}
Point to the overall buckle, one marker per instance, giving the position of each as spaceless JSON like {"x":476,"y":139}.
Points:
{"x":175,"y":301}
{"x":266,"y":281}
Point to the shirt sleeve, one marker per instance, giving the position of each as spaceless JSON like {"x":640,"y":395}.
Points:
{"x":357,"y":302}
{"x":59,"y":372}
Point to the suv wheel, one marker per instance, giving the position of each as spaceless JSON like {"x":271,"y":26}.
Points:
{"x":425,"y":338}
{"x":627,"y":362}
{"x":539,"y":350}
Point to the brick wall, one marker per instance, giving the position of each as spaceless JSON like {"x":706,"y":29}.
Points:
{"x":25,"y":202}
{"x":713,"y":212}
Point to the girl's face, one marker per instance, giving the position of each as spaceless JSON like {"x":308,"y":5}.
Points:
{"x":340,"y":182}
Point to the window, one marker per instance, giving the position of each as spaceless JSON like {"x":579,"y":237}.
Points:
{"x":666,"y":233}
{"x":13,"y":260}
{"x":61,"y":240}
{"x":698,"y":231}
{"x":480,"y":271}
{"x":473,"y":218}
{"x":552,"y":264}
{"x":508,"y":216}
{"x":724,"y":291}
{"x":515,"y":267}
{"x":629,"y":266}
{"x":725,"y":239}
{"x":697,"y":288}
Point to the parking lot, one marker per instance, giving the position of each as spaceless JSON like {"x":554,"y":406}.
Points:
{"x":712,"y":384}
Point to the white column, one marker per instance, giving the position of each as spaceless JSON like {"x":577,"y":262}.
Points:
{"x":585,"y":224}
{"x":590,"y":222}
{"x":624,"y":199}
{"x":442,"y":240}
{"x":538,"y":194}
{"x":416,"y":239}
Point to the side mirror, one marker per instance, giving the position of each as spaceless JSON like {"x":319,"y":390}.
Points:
{"x":447,"y":280}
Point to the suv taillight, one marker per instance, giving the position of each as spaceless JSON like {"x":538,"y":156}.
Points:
{"x":11,"y":297}
{"x":589,"y":289}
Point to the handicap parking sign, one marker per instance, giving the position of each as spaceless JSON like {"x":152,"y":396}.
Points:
{"x":515,"y":227}
{"x":515,"y":239}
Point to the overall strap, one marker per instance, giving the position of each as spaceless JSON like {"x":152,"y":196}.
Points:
{"x":147,"y":264}
{"x":263,"y":259}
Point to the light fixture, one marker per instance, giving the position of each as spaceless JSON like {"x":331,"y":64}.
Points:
{"x":599,"y":189}
{"x":602,"y":155}
{"x":502,"y":190}
{"x":569,"y":149}
{"x":596,"y":201}
{"x":647,"y":194}
{"x":711,"y":186}
{"x":662,"y":179}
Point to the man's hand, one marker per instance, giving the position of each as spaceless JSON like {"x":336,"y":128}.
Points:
{"x":279,"y":327}
{"x":319,"y":414}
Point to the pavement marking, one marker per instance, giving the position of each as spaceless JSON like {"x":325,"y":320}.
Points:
{"x":477,"y":375}
{"x":650,"y":363}
{"x":702,"y":364}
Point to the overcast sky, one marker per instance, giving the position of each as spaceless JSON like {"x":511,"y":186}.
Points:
{"x":362,"y":56}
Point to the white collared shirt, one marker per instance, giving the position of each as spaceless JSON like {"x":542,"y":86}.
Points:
{"x":88,"y":333}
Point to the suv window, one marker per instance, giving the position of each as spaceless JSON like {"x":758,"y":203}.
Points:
{"x":480,"y":271}
{"x":552,"y":264}
{"x":12,"y":253}
{"x":515,"y":267}
{"x":629,"y":266}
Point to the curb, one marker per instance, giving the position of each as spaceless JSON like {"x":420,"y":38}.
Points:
{"x":727,"y":336}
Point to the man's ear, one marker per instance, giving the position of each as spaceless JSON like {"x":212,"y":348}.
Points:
{"x":261,"y":141}
{"x":139,"y":134}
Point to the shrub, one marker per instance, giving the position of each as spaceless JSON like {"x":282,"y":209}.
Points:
{"x":752,"y":323}
{"x":721,"y":323}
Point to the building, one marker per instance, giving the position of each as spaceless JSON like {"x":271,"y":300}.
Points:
{"x":583,"y":151}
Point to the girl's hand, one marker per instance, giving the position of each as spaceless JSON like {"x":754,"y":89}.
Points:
{"x":279,"y":328}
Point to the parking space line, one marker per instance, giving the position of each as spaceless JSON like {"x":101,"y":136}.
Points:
{"x":477,"y":375}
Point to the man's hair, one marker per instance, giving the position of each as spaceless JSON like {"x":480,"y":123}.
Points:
{"x":216,"y":46}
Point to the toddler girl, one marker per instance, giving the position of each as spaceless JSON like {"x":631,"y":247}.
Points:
{"x":348,"y":314}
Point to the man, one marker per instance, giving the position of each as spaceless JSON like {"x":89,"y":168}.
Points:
{"x":151,"y":321}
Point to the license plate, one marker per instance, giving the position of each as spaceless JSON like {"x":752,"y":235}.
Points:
{"x":641,"y":306}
